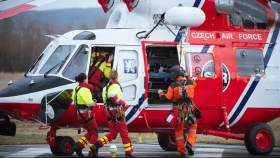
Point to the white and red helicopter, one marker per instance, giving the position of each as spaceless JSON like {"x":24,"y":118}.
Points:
{"x":229,"y":47}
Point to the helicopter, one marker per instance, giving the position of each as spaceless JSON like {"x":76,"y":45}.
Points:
{"x":228,"y":46}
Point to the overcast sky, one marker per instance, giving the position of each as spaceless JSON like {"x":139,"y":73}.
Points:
{"x":58,"y":4}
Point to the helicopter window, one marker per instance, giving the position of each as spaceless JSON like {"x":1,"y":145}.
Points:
{"x":36,"y":64}
{"x":57,"y":59}
{"x":249,"y":62}
{"x":128,"y":68}
{"x":249,"y":14}
{"x":77,"y":63}
{"x":200,"y":64}
{"x":86,"y":35}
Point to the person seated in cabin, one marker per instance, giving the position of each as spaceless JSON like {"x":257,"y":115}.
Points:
{"x":99,"y":68}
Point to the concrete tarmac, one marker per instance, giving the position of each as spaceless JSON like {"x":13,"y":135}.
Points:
{"x":140,"y":150}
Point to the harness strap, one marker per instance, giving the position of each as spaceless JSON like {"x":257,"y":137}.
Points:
{"x":110,"y":113}
{"x":183,"y":87}
{"x":81,"y":106}
{"x":95,"y":70}
{"x":110,"y":102}
{"x":76,"y":100}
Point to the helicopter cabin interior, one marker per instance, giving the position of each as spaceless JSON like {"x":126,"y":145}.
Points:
{"x":160,"y":59}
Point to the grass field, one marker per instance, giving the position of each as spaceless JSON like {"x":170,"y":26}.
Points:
{"x":30,"y":134}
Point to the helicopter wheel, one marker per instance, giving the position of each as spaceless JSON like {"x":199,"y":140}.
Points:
{"x":167,"y":141}
{"x":54,"y":149}
{"x":259,"y":139}
{"x":64,"y":146}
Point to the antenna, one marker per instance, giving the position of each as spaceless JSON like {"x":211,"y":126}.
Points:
{"x":52,"y":37}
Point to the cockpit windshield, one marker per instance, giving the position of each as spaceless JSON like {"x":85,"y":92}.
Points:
{"x":57,"y":59}
{"x":33,"y":68}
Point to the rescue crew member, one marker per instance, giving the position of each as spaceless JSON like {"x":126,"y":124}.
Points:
{"x":112,"y":97}
{"x":99,"y":67}
{"x":83,"y":100}
{"x":182,"y":107}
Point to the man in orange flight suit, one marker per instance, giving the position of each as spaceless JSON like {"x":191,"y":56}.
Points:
{"x":175,"y":92}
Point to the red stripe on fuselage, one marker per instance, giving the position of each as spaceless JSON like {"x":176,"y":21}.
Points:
{"x":15,"y":10}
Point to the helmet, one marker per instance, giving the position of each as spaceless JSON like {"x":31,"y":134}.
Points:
{"x":176,"y":71}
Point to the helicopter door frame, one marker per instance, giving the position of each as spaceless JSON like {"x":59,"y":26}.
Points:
{"x":129,"y":65}
{"x":144,"y":46}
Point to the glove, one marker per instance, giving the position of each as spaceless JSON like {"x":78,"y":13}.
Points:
{"x":160,"y":91}
{"x":126,"y":105}
{"x":94,"y":105}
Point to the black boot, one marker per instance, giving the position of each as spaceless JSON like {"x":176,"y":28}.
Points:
{"x":94,"y":150}
{"x":183,"y":155}
{"x":128,"y":156}
{"x":189,"y":148}
{"x":78,"y":150}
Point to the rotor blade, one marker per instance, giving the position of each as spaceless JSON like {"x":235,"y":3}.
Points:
{"x":23,"y":7}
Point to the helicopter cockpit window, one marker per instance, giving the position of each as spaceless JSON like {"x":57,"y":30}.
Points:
{"x":249,"y":62}
{"x":200,"y":64}
{"x":36,"y":64}
{"x":249,"y":14}
{"x":77,"y":64}
{"x":57,"y":59}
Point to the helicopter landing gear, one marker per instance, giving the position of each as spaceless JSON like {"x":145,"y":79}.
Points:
{"x":167,"y":141}
{"x":60,"y":145}
{"x":259,"y":139}
{"x":54,"y":149}
{"x":64,"y":146}
{"x":7,"y":128}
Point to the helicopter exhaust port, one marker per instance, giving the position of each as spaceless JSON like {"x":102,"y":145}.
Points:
{"x":224,"y":7}
{"x":7,"y":128}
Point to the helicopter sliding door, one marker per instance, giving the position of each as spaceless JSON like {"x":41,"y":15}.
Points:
{"x":203,"y":64}
{"x":130,"y":67}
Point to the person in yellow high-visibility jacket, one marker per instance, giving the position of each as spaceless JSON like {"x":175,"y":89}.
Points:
{"x":83,"y":100}
{"x":99,"y":68}
{"x":112,"y":96}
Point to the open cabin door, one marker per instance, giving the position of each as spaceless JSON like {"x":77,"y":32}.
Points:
{"x":128,"y":62}
{"x":203,"y":63}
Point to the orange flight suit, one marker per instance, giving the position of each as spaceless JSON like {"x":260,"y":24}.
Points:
{"x":175,"y":92}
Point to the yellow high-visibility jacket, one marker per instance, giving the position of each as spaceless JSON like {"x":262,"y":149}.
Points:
{"x":113,"y":90}
{"x":83,"y":97}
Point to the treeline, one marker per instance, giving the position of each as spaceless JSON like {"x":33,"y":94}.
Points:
{"x":22,"y":36}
